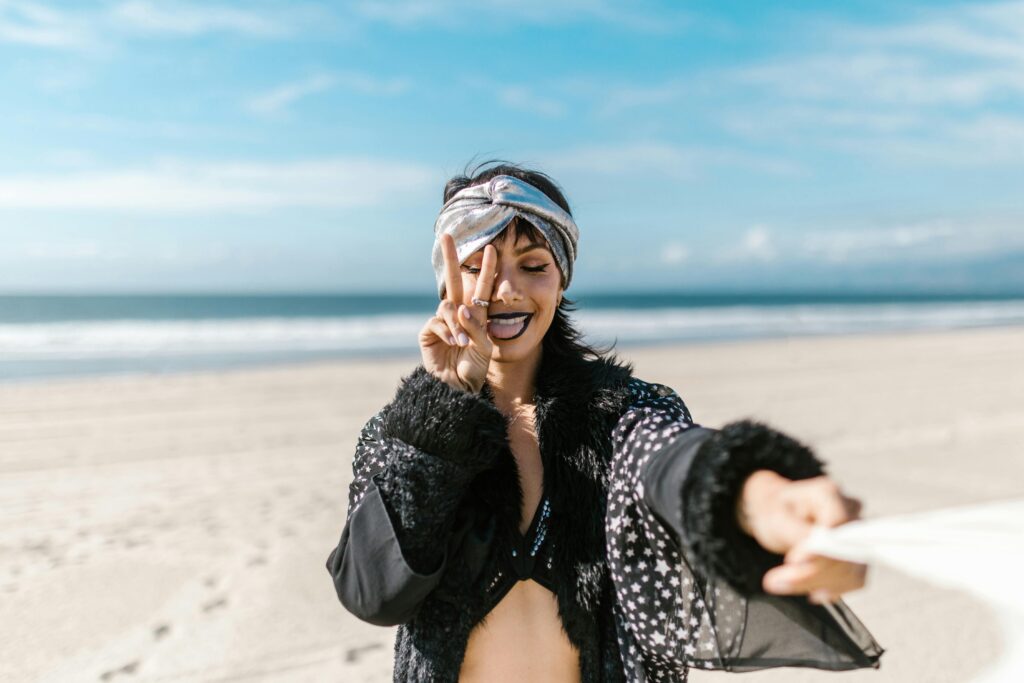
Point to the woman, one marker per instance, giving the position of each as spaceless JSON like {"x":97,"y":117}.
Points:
{"x":526,"y":509}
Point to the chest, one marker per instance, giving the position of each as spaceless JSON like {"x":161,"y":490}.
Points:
{"x":525,"y":447}
{"x":526,"y":618}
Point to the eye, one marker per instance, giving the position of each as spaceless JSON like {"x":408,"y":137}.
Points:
{"x":471,"y":269}
{"x":536,"y":269}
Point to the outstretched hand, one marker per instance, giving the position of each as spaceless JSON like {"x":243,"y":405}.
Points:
{"x":780,"y":514}
{"x":454,"y":343}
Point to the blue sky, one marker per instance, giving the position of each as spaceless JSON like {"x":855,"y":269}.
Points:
{"x":264,"y":146}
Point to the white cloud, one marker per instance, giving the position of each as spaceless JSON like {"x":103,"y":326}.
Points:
{"x":923,"y":90}
{"x":140,"y":255}
{"x":371,"y":85}
{"x":31,"y":23}
{"x":280,"y":98}
{"x":523,"y":98}
{"x":194,"y":19}
{"x":883,"y":78}
{"x":611,"y":99}
{"x":983,"y":30}
{"x":35,"y":24}
{"x":674,"y":253}
{"x":932,"y":240}
{"x":223,"y":186}
{"x":55,"y":251}
{"x":663,"y":160}
{"x":793,"y":122}
{"x":497,"y":13}
{"x":518,"y":96}
{"x":627,"y":158}
{"x":868,"y":244}
{"x":757,"y":244}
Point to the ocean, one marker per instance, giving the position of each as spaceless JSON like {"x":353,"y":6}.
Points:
{"x":60,"y":335}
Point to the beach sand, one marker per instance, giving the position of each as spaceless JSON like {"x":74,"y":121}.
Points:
{"x":176,"y":527}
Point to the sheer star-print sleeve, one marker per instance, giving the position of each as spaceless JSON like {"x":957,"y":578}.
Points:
{"x":686,"y":577}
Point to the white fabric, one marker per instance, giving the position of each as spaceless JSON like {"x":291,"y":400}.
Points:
{"x":978,"y":549}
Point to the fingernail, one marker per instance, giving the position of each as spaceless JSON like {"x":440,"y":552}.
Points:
{"x":451,"y":340}
{"x":463,"y":339}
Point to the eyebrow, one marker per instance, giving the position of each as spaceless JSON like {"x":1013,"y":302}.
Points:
{"x":528,"y":247}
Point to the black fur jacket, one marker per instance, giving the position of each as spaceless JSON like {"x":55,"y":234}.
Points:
{"x":652,"y":574}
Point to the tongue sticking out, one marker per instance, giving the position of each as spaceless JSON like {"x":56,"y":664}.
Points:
{"x":501,"y":329}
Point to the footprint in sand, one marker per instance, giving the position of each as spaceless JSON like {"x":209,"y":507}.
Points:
{"x":215,"y":604}
{"x":128,"y":668}
{"x":161,"y":631}
{"x":257,"y":560}
{"x":353,"y":654}
{"x":210,"y":581}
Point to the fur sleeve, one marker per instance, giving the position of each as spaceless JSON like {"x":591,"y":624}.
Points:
{"x":428,"y":444}
{"x":462,"y":428}
{"x":711,"y":533}
{"x":413,"y":462}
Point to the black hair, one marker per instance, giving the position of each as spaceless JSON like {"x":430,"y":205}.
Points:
{"x":562,"y":339}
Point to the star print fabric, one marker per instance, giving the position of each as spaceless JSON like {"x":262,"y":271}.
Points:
{"x":671,"y":617}
{"x":659,"y":609}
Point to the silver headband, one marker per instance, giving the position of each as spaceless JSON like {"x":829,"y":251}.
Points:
{"x":476,"y":215}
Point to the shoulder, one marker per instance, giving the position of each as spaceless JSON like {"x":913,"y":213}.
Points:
{"x":618,"y":388}
{"x":651,"y":399}
{"x":641,"y":390}
{"x":607,"y":386}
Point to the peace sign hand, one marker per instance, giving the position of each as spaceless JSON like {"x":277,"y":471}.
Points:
{"x":454,"y":343}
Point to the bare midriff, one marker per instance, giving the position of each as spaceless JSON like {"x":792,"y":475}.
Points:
{"x":521,"y":638}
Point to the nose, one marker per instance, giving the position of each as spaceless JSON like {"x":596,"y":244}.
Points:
{"x":506,"y":288}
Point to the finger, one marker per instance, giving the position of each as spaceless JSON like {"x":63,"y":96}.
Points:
{"x":789,"y":529}
{"x":447,"y":310}
{"x":821,"y":596}
{"x":439,"y":329}
{"x":799,"y":554}
{"x":830,"y":509}
{"x":792,"y":578}
{"x":452,"y":273}
{"x":475,"y":324}
{"x":488,"y":272}
{"x":820,"y":573}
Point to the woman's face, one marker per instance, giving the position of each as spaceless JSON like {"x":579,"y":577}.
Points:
{"x":527,"y":283}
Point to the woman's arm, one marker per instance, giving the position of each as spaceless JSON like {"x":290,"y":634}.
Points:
{"x":706,"y":503}
{"x":676,"y":532}
{"x":412,"y":465}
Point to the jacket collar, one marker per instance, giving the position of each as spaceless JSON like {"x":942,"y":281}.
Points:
{"x":576,"y":402}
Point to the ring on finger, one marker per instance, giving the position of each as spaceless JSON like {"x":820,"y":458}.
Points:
{"x":481,"y":302}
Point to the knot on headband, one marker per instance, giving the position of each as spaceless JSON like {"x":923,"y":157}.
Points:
{"x":476,"y":215}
